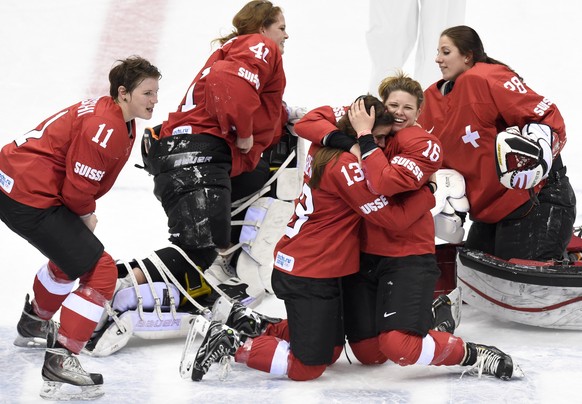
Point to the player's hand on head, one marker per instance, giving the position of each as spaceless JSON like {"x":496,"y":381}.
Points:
{"x":361,"y":121}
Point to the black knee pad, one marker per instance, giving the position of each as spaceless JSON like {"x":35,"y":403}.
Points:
{"x":177,"y":263}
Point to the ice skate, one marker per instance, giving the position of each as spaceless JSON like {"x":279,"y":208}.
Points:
{"x":31,"y":329}
{"x":218,"y":345}
{"x":490,"y":360}
{"x":198,"y":326}
{"x":246,"y":321}
{"x":447,"y":311}
{"x":235,"y":289}
{"x":64,"y":378}
{"x":221,"y":269}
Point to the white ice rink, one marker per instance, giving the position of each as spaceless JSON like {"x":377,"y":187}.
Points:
{"x":57,"y":52}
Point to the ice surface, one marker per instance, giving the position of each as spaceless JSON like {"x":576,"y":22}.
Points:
{"x":57,"y":52}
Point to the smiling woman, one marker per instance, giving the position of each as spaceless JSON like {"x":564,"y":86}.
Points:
{"x":50,"y":179}
{"x":507,"y":141}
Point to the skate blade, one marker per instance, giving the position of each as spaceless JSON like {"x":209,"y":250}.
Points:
{"x":224,"y":368}
{"x":58,"y":391}
{"x":198,"y":326}
{"x":518,"y":373}
{"x":30,"y":342}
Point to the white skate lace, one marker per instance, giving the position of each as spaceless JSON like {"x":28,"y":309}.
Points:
{"x":487,"y":362}
{"x":223,"y":261}
{"x":215,"y":357}
{"x":71,"y":363}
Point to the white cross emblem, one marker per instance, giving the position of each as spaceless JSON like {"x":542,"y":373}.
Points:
{"x":471,"y":137}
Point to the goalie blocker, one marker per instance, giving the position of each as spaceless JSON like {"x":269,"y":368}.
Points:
{"x":450,"y":200}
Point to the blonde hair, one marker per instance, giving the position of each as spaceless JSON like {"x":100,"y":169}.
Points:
{"x":401,"y":82}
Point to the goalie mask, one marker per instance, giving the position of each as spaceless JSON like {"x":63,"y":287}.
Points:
{"x":523,"y":158}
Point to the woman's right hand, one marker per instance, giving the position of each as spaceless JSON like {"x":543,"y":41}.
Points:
{"x":244,"y":144}
{"x":90,"y":221}
{"x":361,"y":121}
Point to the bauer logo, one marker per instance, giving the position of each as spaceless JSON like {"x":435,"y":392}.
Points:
{"x":284,"y":261}
{"x":157,"y":324}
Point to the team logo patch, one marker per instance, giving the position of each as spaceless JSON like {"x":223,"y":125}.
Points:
{"x":284,"y":261}
{"x":180,"y":130}
{"x":6,"y":182}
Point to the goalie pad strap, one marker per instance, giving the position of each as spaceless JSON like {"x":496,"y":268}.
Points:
{"x":160,"y":265}
{"x":211,"y":282}
{"x":126,"y":300}
{"x":154,"y":295}
{"x":136,"y":288}
{"x":243,"y":203}
{"x":157,"y":303}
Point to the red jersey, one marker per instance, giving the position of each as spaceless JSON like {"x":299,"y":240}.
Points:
{"x":414,"y":155}
{"x":71,"y":158}
{"x":409,"y":159}
{"x":319,"y":122}
{"x":322,"y":238}
{"x":485,"y":100}
{"x":238,"y":92}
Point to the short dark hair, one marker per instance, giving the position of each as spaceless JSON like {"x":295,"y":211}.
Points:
{"x":129,"y":73}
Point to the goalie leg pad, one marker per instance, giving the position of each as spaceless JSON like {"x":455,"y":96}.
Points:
{"x":112,"y":338}
{"x":266,"y":220}
{"x":169,"y":326}
{"x":126,"y":299}
{"x":149,"y":325}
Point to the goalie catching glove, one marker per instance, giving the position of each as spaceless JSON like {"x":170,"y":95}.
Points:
{"x":524,"y":158}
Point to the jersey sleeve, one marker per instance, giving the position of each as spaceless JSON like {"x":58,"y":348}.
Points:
{"x":234,"y":84}
{"x":417,"y":157}
{"x":378,"y":209}
{"x":519,"y":105}
{"x":92,"y":163}
{"x":318,"y":123}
